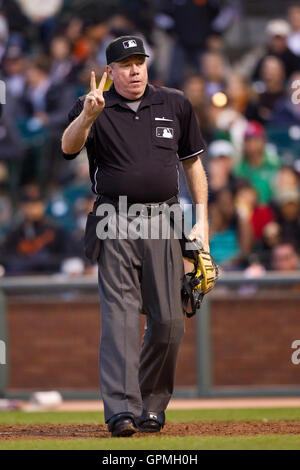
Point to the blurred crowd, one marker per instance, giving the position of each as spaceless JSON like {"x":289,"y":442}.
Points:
{"x":246,"y":100}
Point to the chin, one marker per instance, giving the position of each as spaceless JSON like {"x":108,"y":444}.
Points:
{"x":140,"y":89}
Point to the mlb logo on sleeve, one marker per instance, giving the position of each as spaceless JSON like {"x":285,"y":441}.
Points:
{"x":129,"y":43}
{"x":165,"y":132}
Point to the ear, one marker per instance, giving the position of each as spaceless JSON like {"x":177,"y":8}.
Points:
{"x":109,"y":71}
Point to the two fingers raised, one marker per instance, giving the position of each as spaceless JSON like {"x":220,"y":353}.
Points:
{"x":95,"y":96}
{"x":101,"y":84}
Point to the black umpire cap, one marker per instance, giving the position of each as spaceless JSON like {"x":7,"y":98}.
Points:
{"x":123,"y":47}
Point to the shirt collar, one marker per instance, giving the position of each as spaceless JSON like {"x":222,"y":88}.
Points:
{"x":152,"y":95}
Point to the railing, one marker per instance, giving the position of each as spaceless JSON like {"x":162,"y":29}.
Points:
{"x":47,"y":283}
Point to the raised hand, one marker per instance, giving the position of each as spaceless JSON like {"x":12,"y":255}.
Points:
{"x":94,"y":100}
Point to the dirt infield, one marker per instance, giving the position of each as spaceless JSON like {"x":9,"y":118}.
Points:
{"x":241,"y":428}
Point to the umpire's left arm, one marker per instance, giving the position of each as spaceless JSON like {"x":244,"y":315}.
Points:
{"x":198,"y":187}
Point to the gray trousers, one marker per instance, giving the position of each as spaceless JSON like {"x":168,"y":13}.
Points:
{"x":139,"y":276}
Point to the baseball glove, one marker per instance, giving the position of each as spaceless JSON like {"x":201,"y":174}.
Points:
{"x":200,"y":281}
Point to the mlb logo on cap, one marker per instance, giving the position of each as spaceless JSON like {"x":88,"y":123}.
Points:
{"x":129,"y":43}
{"x":123,"y":47}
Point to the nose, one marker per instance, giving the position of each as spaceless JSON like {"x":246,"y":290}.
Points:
{"x":134,"y":69}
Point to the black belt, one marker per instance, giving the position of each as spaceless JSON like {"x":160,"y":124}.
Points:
{"x":148,"y":208}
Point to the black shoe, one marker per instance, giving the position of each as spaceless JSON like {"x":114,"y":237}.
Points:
{"x":151,"y":421}
{"x":122,"y":425}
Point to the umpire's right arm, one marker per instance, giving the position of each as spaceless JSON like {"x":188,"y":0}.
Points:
{"x":76,"y":133}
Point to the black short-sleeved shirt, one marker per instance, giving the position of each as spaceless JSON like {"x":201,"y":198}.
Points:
{"x":136,"y":153}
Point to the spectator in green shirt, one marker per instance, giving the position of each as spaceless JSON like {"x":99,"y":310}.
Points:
{"x":258,"y":166}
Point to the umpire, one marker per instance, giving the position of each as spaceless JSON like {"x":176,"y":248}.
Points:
{"x":135,"y":135}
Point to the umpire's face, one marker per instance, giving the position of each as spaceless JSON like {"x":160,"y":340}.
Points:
{"x":130,"y":76}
